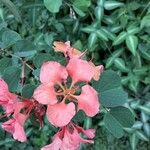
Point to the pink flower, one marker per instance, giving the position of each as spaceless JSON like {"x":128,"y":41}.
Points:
{"x":7,"y":99}
{"x":61,"y":99}
{"x":15,"y":127}
{"x":68,"y":138}
{"x":67,"y":50}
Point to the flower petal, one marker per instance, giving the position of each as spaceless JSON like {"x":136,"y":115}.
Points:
{"x":62,"y":47}
{"x":88,"y":101}
{"x":97,"y":70}
{"x":52,"y":72}
{"x":45,"y":94}
{"x":55,"y":145}
{"x":9,"y":126}
{"x":80,"y":70}
{"x":90,"y":133}
{"x":60,"y":114}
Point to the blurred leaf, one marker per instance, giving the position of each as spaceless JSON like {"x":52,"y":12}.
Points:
{"x":99,"y":12}
{"x":101,"y":34}
{"x":109,"y":5}
{"x":133,"y":29}
{"x":145,"y":22}
{"x":82,"y":5}
{"x":145,"y":51}
{"x":92,"y":40}
{"x":133,"y":141}
{"x":141,"y":136}
{"x":78,"y":11}
{"x":53,"y":5}
{"x":132,"y":43}
{"x":120,"y":64}
{"x":120,"y":38}
{"x":12,"y":8}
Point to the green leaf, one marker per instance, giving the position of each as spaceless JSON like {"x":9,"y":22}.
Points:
{"x":78,"y":11}
{"x":120,"y":64}
{"x":82,"y":5}
{"x":118,"y":118}
{"x":88,"y":29}
{"x":132,"y":43}
{"x":133,"y":29}
{"x":40,"y":58}
{"x":99,"y":12}
{"x":53,"y":5}
{"x":102,"y":35}
{"x":110,"y":5}
{"x":141,"y":136}
{"x":113,"y":126}
{"x":12,"y":8}
{"x":79,"y":117}
{"x":123,"y":115}
{"x":28,"y":90}
{"x":4,"y":63}
{"x":133,"y":141}
{"x":92,"y":40}
{"x":9,"y":38}
{"x":144,"y":51}
{"x":120,"y":38}
{"x":24,"y":48}
{"x":12,"y":77}
{"x":110,"y":90}
{"x":109,"y":62}
{"x":145,"y":22}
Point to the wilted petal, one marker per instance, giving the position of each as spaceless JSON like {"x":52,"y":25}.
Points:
{"x":79,"y":70}
{"x":45,"y":94}
{"x":55,"y":145}
{"x":88,"y":101}
{"x":97,"y":70}
{"x":62,"y":47}
{"x":52,"y":72}
{"x":60,"y":114}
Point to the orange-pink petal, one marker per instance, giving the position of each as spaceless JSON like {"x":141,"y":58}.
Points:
{"x":60,"y":114}
{"x":88,"y":101}
{"x":45,"y":94}
{"x":52,"y":72}
{"x":61,"y":47}
{"x":79,"y":70}
{"x":97,"y":70}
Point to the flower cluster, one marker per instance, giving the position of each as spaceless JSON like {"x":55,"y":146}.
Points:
{"x":60,"y":96}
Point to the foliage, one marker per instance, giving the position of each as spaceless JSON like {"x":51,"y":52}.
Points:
{"x":116,"y":34}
